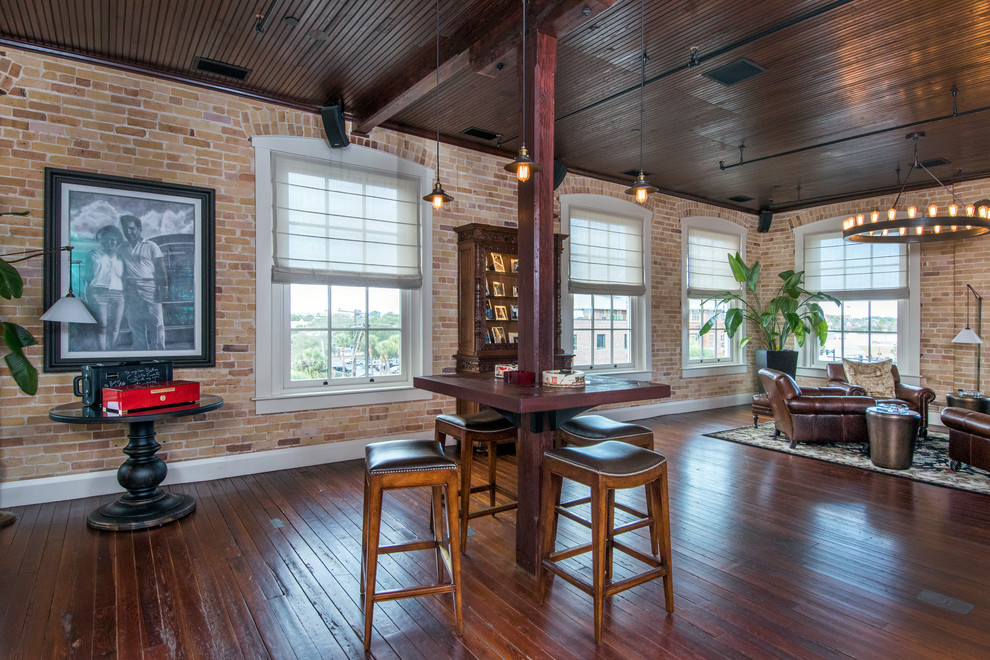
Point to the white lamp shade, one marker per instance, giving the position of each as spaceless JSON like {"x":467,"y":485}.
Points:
{"x":69,"y":309}
{"x":967,"y":336}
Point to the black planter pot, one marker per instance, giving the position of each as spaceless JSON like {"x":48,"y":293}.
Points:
{"x":785,"y":361}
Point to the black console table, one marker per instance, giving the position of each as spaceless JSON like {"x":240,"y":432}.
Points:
{"x":968,"y":401}
{"x":145,"y":504}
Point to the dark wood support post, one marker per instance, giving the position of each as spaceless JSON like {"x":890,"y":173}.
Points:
{"x":536,"y":281}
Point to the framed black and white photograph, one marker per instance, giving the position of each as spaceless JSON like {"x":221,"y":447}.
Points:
{"x":142,"y":262}
{"x":513,"y":337}
{"x":513,"y":312}
{"x":498,"y":289}
{"x":514,"y":265}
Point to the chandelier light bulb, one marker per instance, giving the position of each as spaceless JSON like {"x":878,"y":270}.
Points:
{"x":891,"y":213}
{"x":938,"y":229}
{"x":912,"y":211}
{"x":983,"y":212}
{"x":903,"y":230}
{"x":932,"y":211}
{"x":875,"y":216}
{"x":859,"y":219}
{"x":920,"y":231}
{"x":970,"y":210}
{"x":953,"y":209}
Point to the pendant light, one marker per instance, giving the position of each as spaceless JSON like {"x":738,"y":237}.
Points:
{"x":641,"y":188}
{"x":438,"y":196}
{"x":523,"y":166}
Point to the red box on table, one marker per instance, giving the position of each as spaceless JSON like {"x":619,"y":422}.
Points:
{"x":131,"y":398}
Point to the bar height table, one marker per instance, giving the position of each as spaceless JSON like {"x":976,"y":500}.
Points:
{"x":145,"y":504}
{"x":537,"y":411}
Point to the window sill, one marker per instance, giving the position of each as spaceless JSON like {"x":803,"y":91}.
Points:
{"x":319,"y":400}
{"x":628,"y":373}
{"x":702,"y":370}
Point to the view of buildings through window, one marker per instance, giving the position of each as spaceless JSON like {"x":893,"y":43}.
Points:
{"x":340,"y":332}
{"x":601,"y":330}
{"x":716,"y":344}
{"x":863,"y":330}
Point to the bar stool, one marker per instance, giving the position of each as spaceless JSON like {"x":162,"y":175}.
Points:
{"x":489,"y":428}
{"x":604,"y":467}
{"x":409,"y":464}
{"x":587,"y":430}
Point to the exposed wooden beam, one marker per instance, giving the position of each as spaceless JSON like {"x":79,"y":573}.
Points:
{"x":478,"y":46}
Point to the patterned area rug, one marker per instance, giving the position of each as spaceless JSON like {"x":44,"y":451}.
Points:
{"x":931,"y":457}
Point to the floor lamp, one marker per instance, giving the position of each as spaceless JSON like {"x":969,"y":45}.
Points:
{"x":967,"y":336}
{"x":67,"y":309}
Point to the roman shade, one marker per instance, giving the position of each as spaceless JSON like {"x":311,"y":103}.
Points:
{"x":606,"y":253}
{"x":344,"y":225}
{"x":708,"y":267}
{"x":853,"y":270}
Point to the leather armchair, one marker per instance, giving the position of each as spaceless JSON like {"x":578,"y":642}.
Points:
{"x":969,"y":437}
{"x":815,"y":414}
{"x":917,"y":398}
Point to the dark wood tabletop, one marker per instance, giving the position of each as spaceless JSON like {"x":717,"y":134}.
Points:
{"x":487,"y":390}
{"x":76,"y":413}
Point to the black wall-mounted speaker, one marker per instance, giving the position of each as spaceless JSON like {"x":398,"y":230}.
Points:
{"x":559,"y":172}
{"x":333,"y":125}
{"x":766,"y":217}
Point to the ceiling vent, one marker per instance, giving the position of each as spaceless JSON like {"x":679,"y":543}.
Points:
{"x":635,"y":173}
{"x":480,"y":133}
{"x":221,"y":68}
{"x":740,"y":198}
{"x":733,"y":72}
{"x":934,"y":162}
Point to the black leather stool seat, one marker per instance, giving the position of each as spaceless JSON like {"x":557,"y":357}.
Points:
{"x":486,"y":421}
{"x":609,"y":458}
{"x":596,"y":427}
{"x":406,"y":456}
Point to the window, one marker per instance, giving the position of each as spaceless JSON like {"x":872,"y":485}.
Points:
{"x":706,"y":242}
{"x":871,"y":280}
{"x":343,"y":275}
{"x":606,"y":280}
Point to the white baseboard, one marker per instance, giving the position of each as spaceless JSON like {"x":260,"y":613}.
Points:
{"x":90,"y":484}
{"x":673,"y":407}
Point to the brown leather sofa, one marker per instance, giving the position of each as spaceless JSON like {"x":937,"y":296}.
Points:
{"x":916,"y":398}
{"x":969,"y":437}
{"x":815,"y":414}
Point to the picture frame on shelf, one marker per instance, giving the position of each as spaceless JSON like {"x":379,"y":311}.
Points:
{"x":498,"y":334}
{"x":160,"y":238}
{"x":513,"y":337}
{"x":498,"y":289}
{"x":500,"y":313}
{"x":498,"y":263}
{"x":514,"y":265}
{"x":514,"y":312}
{"x":489,"y":314}
{"x":515,"y":291}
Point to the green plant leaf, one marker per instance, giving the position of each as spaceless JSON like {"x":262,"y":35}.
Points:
{"x":707,"y":327}
{"x":20,"y":213}
{"x":16,"y":338}
{"x":25,"y":375}
{"x":734,"y":318}
{"x":739,"y":269}
{"x":744,"y":341}
{"x":11,"y":284}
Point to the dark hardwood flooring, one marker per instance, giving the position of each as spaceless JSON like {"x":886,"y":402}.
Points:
{"x":774,"y":556}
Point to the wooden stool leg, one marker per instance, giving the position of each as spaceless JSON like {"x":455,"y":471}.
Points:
{"x":661,"y":509}
{"x":437,"y":525}
{"x":599,"y":516}
{"x":651,"y":512}
{"x":364,"y":537}
{"x":550,"y":494}
{"x":492,"y":455}
{"x":610,"y":531}
{"x":374,"y":528}
{"x":453,"y":536}
{"x":467,"y":454}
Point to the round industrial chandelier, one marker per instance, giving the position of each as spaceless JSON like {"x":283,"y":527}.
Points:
{"x":953,"y":222}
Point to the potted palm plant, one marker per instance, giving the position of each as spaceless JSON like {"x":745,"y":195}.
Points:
{"x":793,"y":310}
{"x":14,"y":337}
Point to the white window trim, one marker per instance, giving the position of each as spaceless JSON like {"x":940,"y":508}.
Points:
{"x":693,"y":369}
{"x":908,"y":329}
{"x":640,"y":350}
{"x":270,"y":397}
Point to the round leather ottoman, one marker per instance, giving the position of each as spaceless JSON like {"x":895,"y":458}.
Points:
{"x":892,"y":435}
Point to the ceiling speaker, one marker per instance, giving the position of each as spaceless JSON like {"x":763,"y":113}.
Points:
{"x":559,"y":172}
{"x":333,"y":125}
{"x":766,"y":217}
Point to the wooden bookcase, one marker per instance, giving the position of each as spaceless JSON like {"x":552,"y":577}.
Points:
{"x":488,"y":300}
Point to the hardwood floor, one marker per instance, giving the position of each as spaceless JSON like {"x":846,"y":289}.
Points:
{"x":773,"y":556}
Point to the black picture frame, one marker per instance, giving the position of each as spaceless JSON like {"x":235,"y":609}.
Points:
{"x":175,"y":242}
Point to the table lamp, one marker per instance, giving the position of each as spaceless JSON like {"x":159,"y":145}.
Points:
{"x":967,"y":336}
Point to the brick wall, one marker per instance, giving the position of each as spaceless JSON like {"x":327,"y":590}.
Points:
{"x":75,"y":116}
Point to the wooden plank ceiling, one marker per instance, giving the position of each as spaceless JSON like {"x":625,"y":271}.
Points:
{"x":845,"y":80}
